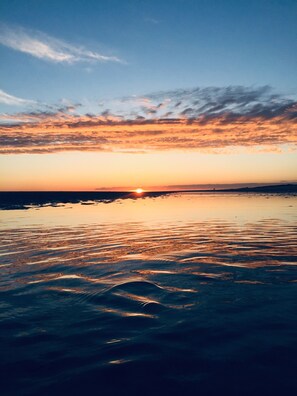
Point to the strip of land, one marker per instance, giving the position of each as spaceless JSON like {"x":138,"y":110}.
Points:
{"x":26,"y":199}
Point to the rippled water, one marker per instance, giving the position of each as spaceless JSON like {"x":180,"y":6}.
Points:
{"x":183,"y":294}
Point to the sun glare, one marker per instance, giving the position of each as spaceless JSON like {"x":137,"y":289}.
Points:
{"x":139,"y":190}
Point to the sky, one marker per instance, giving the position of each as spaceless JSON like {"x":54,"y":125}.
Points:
{"x":152,"y":94}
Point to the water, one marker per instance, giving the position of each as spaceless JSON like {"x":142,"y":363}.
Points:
{"x":181,"y":294}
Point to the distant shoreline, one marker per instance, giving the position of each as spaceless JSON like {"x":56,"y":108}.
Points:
{"x":10,"y":200}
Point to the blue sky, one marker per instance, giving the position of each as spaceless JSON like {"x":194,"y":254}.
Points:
{"x":163,"y":44}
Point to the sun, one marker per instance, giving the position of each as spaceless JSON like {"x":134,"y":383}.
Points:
{"x":139,"y":190}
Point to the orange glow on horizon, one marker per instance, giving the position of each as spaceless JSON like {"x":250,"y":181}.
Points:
{"x":155,"y":171}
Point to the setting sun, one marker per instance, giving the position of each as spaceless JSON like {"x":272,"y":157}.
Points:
{"x":139,"y":190}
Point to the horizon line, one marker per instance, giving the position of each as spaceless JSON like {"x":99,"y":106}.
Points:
{"x":164,"y":189}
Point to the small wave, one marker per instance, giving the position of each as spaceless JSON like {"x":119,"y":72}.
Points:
{"x":137,"y":286}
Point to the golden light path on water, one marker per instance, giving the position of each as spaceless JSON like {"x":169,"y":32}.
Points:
{"x":183,"y":207}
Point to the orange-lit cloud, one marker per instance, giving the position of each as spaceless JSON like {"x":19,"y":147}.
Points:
{"x":208,"y":119}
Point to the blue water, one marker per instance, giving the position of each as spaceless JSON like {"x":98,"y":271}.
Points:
{"x":183,"y":294}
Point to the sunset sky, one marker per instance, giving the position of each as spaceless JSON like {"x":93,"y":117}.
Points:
{"x":152,"y":94}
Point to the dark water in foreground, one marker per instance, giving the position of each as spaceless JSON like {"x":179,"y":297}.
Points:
{"x":186,"y":294}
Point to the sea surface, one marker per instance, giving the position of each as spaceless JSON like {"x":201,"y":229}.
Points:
{"x":182,"y":294}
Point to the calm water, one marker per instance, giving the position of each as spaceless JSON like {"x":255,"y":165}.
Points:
{"x":182,"y":294}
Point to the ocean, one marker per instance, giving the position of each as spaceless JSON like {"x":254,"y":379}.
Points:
{"x":183,"y":293}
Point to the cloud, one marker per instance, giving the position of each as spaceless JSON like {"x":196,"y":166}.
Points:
{"x":207,"y":120}
{"x":154,"y":21}
{"x":48,"y":48}
{"x":11,"y":100}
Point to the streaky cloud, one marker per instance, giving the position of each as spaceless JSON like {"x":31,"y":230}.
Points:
{"x":11,"y":100}
{"x":208,"y":120}
{"x":45,"y":47}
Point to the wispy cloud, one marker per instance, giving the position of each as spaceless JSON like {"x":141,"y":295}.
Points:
{"x":43,"y":46}
{"x":11,"y":100}
{"x":209,"y":119}
{"x":154,"y":21}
